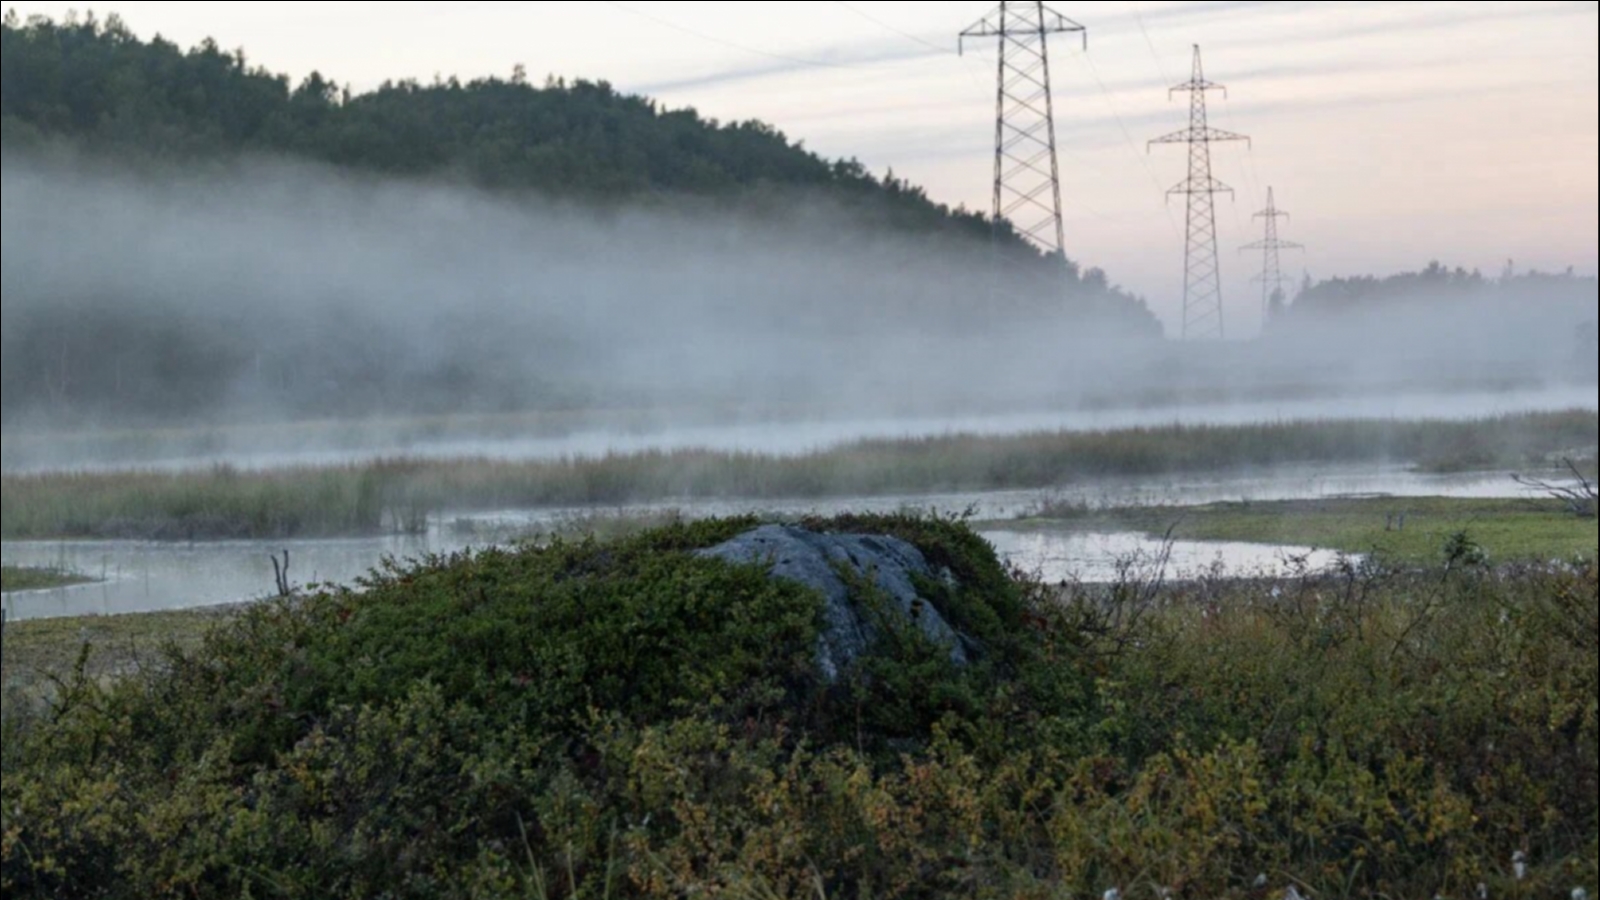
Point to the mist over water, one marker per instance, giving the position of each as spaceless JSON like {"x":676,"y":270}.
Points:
{"x":265,"y":313}
{"x":276,"y":291}
{"x":330,"y":444}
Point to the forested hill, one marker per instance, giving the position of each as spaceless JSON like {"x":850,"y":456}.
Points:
{"x":94,"y":82}
{"x":402,"y":293}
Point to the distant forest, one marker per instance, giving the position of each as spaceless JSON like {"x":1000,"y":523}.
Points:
{"x":94,"y":82}
{"x":86,"y":94}
{"x":1510,"y":326}
{"x":1435,"y":283}
{"x":188,"y":233}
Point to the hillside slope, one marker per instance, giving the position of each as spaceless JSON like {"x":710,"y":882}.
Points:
{"x":142,"y":154}
{"x":97,"y":83}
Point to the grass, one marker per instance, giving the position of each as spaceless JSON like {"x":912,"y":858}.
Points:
{"x":41,"y":653}
{"x":1411,"y":531}
{"x":40,"y":449}
{"x":625,"y":720}
{"x":226,"y":503}
{"x":14,"y":579}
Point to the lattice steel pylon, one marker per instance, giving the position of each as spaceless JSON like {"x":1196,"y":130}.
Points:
{"x":1202,"y":287}
{"x":1027,"y":173}
{"x":1272,"y":279}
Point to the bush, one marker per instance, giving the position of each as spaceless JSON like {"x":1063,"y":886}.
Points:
{"x":626,"y":720}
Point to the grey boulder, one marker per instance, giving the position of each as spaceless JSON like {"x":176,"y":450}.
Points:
{"x":815,"y":560}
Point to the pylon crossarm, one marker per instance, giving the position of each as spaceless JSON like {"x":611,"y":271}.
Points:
{"x":985,"y":28}
{"x":999,"y":24}
{"x":1217,"y":135}
{"x":1208,"y":186}
{"x":1189,"y":86}
{"x":1199,"y":135}
{"x":1026,"y":170}
{"x":1062,"y":23}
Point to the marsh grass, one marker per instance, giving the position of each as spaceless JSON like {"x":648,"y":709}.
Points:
{"x":42,"y":655}
{"x":13,"y":579}
{"x":228,"y":503}
{"x":1402,"y":530}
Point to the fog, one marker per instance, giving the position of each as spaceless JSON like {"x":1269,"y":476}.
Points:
{"x":268,"y":292}
{"x":278,"y":289}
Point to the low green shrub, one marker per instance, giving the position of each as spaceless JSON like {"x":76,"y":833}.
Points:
{"x":626,"y":720}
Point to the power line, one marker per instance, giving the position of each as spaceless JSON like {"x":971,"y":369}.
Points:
{"x":732,"y":45}
{"x":1251,"y":172}
{"x":888,"y":27}
{"x":1143,"y":158}
{"x":1138,"y":15}
{"x":1248,"y":169}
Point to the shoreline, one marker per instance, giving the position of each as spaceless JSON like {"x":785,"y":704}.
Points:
{"x":401,"y":495}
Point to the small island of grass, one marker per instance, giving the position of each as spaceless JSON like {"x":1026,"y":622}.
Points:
{"x":15,"y":579}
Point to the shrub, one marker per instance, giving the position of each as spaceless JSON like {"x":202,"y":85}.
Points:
{"x":626,"y":720}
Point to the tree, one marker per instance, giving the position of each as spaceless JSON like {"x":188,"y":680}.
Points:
{"x":1276,"y":304}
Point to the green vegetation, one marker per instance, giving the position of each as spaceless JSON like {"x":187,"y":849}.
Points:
{"x":1367,"y":294}
{"x":399,"y":494}
{"x":40,"y":653}
{"x":89,"y":110}
{"x":627,"y":720}
{"x":1409,"y":530}
{"x":1448,"y":324}
{"x":21,"y":579}
{"x":95,"y":83}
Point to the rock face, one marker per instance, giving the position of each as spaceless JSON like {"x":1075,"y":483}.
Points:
{"x":815,"y":560}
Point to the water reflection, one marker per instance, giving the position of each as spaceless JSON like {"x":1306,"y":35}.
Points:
{"x":1097,"y":558}
{"x":148,"y":577}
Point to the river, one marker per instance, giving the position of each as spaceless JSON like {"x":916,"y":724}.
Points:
{"x":147,"y":577}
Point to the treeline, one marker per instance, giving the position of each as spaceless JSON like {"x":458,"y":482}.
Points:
{"x":477,"y":236}
{"x":94,"y":82}
{"x":1513,"y":324}
{"x":1438,"y":283}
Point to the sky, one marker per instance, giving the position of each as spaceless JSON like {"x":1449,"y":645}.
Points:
{"x":1395,"y":133}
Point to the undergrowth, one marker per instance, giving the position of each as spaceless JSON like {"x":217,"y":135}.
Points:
{"x":626,"y":720}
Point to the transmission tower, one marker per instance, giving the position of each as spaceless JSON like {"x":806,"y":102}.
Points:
{"x":1202,"y":288}
{"x":1027,"y":174}
{"x":1272,"y":280}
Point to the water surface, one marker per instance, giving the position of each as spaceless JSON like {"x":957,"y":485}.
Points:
{"x":147,"y":577}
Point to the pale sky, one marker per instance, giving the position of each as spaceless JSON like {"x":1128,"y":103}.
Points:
{"x":1395,"y":132}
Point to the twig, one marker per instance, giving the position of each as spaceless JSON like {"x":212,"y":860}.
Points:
{"x":281,"y":574}
{"x":1580,"y":500}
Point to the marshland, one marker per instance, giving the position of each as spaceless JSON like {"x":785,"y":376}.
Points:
{"x":366,"y":454}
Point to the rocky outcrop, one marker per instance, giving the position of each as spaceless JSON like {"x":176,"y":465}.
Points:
{"x":819,"y":561}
